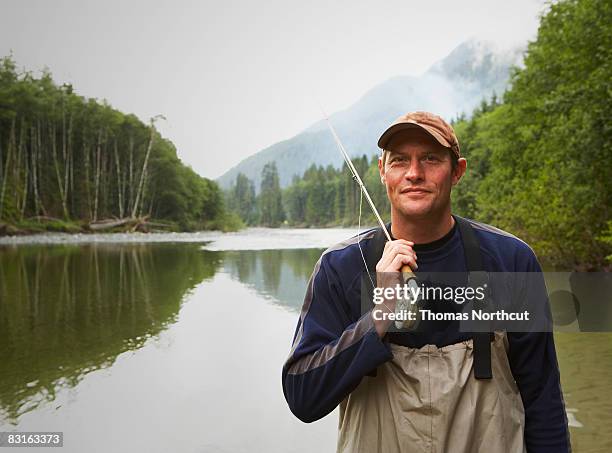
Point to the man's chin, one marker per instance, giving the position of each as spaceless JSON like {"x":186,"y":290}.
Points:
{"x":417,"y":211}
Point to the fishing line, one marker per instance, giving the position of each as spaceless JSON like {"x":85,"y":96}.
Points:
{"x":359,"y":240}
{"x":362,"y":189}
{"x":406,"y":271}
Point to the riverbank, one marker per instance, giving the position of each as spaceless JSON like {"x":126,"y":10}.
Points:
{"x":246,"y":239}
{"x":44,"y":225}
{"x":29,"y":227}
{"x":34,"y":227}
{"x":232,"y":225}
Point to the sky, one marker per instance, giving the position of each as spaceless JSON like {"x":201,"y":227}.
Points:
{"x":233,"y":77}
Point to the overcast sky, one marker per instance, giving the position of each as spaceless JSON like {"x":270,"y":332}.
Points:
{"x":233,"y":77}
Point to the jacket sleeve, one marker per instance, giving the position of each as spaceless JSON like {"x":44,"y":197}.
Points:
{"x":533,"y":361}
{"x":331,"y":352}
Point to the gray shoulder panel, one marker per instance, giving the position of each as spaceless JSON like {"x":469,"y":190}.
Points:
{"x":355,"y":335}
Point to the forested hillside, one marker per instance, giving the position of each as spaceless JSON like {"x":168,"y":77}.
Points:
{"x":68,"y":161}
{"x":455,"y":84}
{"x":539,"y":159}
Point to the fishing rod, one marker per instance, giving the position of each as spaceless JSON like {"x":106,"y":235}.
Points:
{"x":405,"y":268}
{"x":409,"y":277}
{"x":357,"y":178}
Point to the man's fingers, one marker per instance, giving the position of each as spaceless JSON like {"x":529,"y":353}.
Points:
{"x":404,"y":250}
{"x":393,"y":262}
{"x":401,"y":260}
{"x":389,"y":261}
{"x":396,"y":248}
{"x":389,"y":244}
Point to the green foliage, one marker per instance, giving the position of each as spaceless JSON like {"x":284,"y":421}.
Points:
{"x":606,"y":238}
{"x":270,"y":197}
{"x":540,"y":164}
{"x":539,"y":161}
{"x":325,"y":196}
{"x":55,"y":225}
{"x":228,"y":221}
{"x":68,"y":157}
{"x":322,"y":196}
{"x":241,"y":199}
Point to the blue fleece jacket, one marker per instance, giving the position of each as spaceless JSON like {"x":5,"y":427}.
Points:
{"x":335,"y":345}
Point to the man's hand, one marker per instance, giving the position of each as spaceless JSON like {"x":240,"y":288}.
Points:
{"x":396,"y":254}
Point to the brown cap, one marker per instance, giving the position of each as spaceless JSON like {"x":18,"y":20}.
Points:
{"x":430,"y":123}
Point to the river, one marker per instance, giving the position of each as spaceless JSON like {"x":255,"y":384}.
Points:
{"x":175,"y":342}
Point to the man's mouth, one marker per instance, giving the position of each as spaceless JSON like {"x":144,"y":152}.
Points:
{"x":415,"y":191}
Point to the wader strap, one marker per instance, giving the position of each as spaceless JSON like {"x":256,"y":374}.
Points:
{"x":473,"y":258}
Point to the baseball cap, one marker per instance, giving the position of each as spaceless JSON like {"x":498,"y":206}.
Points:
{"x":434,"y":125}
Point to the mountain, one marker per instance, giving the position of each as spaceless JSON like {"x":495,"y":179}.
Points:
{"x":454,"y":85}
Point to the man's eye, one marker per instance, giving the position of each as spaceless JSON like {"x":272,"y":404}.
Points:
{"x":432,"y":158}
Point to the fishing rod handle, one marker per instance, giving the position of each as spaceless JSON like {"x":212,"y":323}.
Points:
{"x":409,"y":278}
{"x":407,"y":272}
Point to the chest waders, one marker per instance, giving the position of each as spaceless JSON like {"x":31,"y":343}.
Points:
{"x":456,"y":398}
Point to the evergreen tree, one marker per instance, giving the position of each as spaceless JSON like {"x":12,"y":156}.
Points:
{"x":242,"y":200}
{"x":270,"y":198}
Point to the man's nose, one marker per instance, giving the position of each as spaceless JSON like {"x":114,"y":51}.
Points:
{"x":414,"y":172}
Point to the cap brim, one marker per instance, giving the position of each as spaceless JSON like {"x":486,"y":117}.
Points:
{"x":385,"y":138}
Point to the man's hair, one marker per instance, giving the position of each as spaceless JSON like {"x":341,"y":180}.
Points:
{"x":453,"y":156}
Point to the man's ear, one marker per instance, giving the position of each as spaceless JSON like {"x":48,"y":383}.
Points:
{"x":381,"y":171}
{"x":459,"y":170}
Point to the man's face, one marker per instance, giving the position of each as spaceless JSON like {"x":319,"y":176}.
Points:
{"x":418,"y":174}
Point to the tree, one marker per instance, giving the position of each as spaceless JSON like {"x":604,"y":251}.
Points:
{"x":242,"y":199}
{"x":270,"y":198}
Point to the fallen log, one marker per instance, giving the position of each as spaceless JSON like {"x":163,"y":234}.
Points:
{"x":129,"y":223}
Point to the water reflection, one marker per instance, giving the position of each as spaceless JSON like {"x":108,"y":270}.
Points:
{"x":278,"y":275}
{"x":68,"y":310}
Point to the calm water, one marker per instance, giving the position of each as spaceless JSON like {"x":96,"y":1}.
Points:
{"x":156,"y":346}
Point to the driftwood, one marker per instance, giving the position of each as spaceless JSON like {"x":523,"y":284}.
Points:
{"x":128,"y":223}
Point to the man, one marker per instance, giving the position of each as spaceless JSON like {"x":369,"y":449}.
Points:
{"x":433,"y":391}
